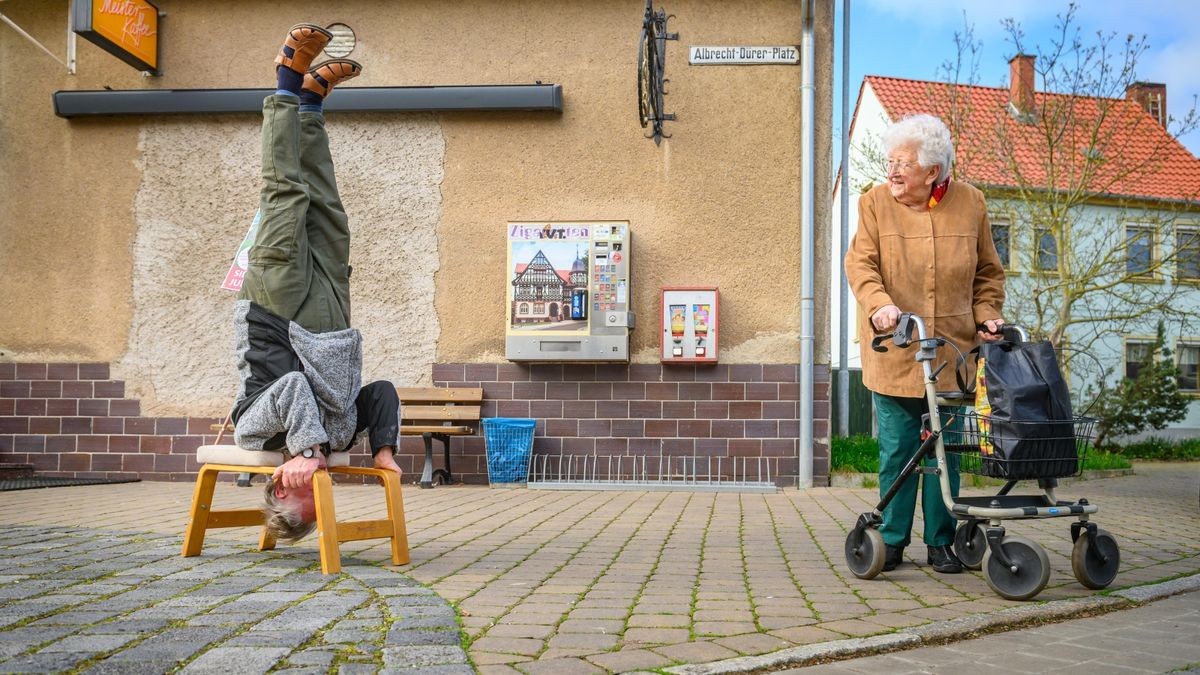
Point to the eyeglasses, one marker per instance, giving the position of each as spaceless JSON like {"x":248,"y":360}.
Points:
{"x":889,"y":164}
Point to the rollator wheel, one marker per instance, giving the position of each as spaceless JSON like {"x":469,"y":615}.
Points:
{"x":969,"y":544}
{"x":1031,"y":576}
{"x":865,"y":561}
{"x":1087,"y":567}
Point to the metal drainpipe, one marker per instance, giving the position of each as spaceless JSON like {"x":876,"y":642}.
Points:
{"x":807,"y":244}
{"x":843,"y":401}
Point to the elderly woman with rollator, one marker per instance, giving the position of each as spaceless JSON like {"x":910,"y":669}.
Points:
{"x":923,"y":245}
{"x":299,"y":360}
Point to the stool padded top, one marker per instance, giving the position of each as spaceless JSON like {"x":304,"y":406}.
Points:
{"x":232,"y":454}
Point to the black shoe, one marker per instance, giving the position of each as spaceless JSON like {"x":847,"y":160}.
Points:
{"x":943,"y":560}
{"x":892,"y":557}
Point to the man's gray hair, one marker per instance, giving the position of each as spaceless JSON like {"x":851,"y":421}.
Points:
{"x":932,"y":138}
{"x":283,"y":520}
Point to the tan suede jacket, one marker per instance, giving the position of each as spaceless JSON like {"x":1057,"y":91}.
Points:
{"x":940,"y":264}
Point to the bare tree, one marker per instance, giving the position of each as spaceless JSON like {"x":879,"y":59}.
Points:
{"x":1098,"y":254}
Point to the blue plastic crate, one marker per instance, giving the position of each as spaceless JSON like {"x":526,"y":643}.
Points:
{"x":509,"y":442}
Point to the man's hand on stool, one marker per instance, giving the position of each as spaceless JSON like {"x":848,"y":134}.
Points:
{"x":384,"y":460}
{"x":297,"y":472}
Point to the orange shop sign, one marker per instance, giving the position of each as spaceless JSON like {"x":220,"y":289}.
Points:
{"x":127,"y":29}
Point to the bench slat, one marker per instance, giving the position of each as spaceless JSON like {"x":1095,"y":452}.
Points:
{"x":414,"y":429}
{"x":440,"y":394}
{"x":452,"y":413}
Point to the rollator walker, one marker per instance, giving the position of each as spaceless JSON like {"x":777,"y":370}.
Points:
{"x":1015,"y":567}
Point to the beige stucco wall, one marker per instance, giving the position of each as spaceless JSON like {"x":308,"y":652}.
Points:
{"x":116,"y":233}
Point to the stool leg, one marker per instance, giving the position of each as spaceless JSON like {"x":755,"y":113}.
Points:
{"x":395,"y":511}
{"x":265,"y":541}
{"x":193,"y":538}
{"x":327,"y":537}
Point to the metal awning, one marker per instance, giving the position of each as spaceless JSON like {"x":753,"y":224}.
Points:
{"x":499,"y":97}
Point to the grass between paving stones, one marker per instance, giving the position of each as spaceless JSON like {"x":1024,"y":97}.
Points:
{"x":345,"y":654}
{"x":465,"y":639}
{"x":695,"y":597}
{"x":637,"y":597}
{"x":66,"y":567}
{"x":615,"y":555}
{"x":783,"y":555}
{"x":171,"y":624}
{"x":745,"y":567}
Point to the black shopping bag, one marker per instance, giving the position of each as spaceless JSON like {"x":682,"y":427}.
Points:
{"x":1025,"y":406}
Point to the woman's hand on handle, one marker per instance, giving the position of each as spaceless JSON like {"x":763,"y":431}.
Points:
{"x":884,"y":320}
{"x":992,"y":332}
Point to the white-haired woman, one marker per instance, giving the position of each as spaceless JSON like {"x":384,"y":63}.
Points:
{"x":923,"y":245}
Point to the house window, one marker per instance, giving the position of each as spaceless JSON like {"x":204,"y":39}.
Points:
{"x":539,"y":308}
{"x":1138,"y":354}
{"x":1047,"y":250}
{"x":1139,"y":250}
{"x":1002,"y":237}
{"x":1187,"y":252}
{"x":523,"y":308}
{"x":1189,"y":361}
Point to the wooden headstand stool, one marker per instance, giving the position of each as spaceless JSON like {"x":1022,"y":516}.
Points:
{"x":230,"y":458}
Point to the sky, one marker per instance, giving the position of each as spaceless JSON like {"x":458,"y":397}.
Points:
{"x":901,"y":38}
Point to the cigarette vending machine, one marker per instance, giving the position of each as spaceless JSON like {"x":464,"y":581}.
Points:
{"x":569,"y":291}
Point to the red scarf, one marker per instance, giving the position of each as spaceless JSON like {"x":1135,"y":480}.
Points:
{"x":939,"y":191}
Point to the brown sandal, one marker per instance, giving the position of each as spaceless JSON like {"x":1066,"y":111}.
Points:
{"x":302,"y":44}
{"x":321,"y":79}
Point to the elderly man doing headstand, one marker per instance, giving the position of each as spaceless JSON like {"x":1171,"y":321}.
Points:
{"x":299,"y":360}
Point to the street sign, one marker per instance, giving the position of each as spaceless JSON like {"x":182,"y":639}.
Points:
{"x":744,"y":55}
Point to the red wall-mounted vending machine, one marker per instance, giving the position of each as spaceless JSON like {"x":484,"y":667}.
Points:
{"x":689,"y":324}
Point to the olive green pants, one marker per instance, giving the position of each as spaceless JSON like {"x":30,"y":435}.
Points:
{"x":899,"y":421}
{"x":300,"y":263}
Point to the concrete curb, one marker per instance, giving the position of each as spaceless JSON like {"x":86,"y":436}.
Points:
{"x":945,"y":631}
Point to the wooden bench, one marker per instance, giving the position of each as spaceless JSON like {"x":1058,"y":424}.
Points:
{"x":438,"y":412}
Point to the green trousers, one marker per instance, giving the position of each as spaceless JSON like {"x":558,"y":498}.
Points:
{"x":300,"y":263}
{"x":899,"y":421}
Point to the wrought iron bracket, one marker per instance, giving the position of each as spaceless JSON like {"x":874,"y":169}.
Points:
{"x":652,"y":60}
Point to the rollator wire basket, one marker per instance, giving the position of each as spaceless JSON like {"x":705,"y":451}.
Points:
{"x":1017,"y":450}
{"x":509,"y":442}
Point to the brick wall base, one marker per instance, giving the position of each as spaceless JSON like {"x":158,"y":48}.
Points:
{"x":71,"y":419}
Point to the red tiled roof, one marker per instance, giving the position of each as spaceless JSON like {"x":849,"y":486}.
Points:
{"x":1138,"y":158}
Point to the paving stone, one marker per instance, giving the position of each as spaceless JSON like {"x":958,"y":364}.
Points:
{"x":224,"y":660}
{"x":89,"y":644}
{"x":500,"y":645}
{"x":561,"y":665}
{"x":435,"y":621}
{"x":695,"y":652}
{"x":18,"y":640}
{"x":77,"y":617}
{"x":269,"y":638}
{"x":627,"y":660}
{"x":43,"y":662}
{"x":422,"y":656}
{"x":123,"y":625}
{"x":321,"y":657}
{"x":520,"y":630}
{"x":397,"y":638}
{"x":656,"y":636}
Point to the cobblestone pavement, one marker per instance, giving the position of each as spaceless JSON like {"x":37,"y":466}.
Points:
{"x":542,"y":581}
